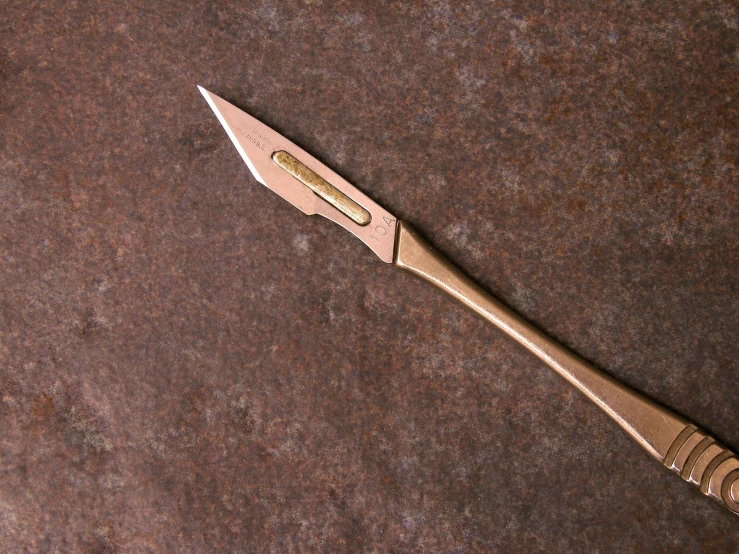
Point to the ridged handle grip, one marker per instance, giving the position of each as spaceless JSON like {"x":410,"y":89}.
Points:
{"x":699,"y":459}
{"x":665,"y":435}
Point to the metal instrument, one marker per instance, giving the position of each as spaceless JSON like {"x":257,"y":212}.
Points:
{"x":313,"y":188}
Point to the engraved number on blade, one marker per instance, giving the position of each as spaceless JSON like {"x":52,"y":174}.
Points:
{"x":381,"y":231}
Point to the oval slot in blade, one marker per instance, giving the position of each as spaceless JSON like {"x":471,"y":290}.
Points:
{"x":322,"y":188}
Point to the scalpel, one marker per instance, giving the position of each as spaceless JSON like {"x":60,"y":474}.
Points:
{"x":313,"y":188}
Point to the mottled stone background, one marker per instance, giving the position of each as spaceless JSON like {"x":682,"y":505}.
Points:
{"x":188,"y":364}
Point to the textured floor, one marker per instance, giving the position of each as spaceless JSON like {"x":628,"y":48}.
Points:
{"x":188,"y":364}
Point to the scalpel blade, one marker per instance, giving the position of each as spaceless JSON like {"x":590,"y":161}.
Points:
{"x":302,"y":180}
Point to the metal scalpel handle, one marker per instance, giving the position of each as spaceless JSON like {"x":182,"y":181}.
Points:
{"x":669,"y":438}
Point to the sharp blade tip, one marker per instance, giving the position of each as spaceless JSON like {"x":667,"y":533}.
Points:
{"x":210,"y":98}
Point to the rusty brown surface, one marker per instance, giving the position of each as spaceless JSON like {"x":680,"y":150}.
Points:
{"x":188,"y":364}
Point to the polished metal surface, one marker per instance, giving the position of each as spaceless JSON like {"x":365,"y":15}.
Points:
{"x":257,"y":143}
{"x":313,"y":188}
{"x":664,"y":435}
{"x":322,"y":188}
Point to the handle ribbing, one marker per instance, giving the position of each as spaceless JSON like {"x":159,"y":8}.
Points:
{"x":700,"y":460}
{"x":663,"y":434}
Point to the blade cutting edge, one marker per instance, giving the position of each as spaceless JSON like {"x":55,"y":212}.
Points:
{"x":231,"y":135}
